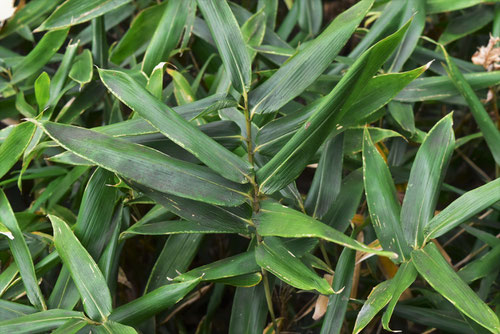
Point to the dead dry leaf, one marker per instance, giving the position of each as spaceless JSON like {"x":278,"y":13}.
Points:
{"x":488,"y":56}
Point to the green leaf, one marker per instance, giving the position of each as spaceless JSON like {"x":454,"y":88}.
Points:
{"x":137,"y":311}
{"x":381,"y":199}
{"x":285,"y":166}
{"x":94,"y":292}
{"x":379,"y":297}
{"x":229,"y":267}
{"x":274,"y":219}
{"x":29,"y":13}
{"x":166,"y":36}
{"x":378,"y":92}
{"x":82,"y":68}
{"x":462,"y":209}
{"x":150,"y":167}
{"x":175,"y":127}
{"x":403,"y":115}
{"x":225,"y":218}
{"x":387,"y":292}
{"x":155,"y":82}
{"x":426,"y":176}
{"x":71,"y":326}
{"x":439,"y":6}
{"x":481,"y":267}
{"x":345,"y":205}
{"x":433,"y":318}
{"x":270,"y":11}
{"x":40,"y":322}
{"x":141,"y":31}
{"x":353,"y":137}
{"x":405,"y":276}
{"x":466,"y":24}
{"x":434,"y":268}
{"x":39,"y":56}
{"x":442,"y":88}
{"x":182,"y":89}
{"x":273,"y":256}
{"x":184,"y":226}
{"x":337,"y":303}
{"x":111,"y":327}
{"x":42,"y":90}
{"x":11,"y":310}
{"x":91,"y":228}
{"x":73,"y":12}
{"x":14,"y":145}
{"x":21,"y":254}
{"x":59,"y":78}
{"x":327,"y":179}
{"x":415,"y":8}
{"x":248,"y":317}
{"x":303,"y":69}
{"x":253,"y":31}
{"x":176,"y":256}
{"x":490,"y":131}
{"x":229,"y":40}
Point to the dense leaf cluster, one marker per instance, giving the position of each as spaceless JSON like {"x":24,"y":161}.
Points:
{"x":259,"y":166}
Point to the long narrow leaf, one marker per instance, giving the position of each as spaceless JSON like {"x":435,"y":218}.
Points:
{"x":21,"y":253}
{"x":285,"y":166}
{"x":229,"y":40}
{"x":426,"y":176}
{"x":94,"y":292}
{"x":434,"y":268}
{"x":302,"y":69}
{"x":175,"y":127}
{"x":463,"y":208}
{"x":147,"y":166}
{"x":274,"y":219}
{"x":381,"y":199}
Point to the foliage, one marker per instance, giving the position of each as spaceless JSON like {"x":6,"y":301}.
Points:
{"x":215,"y":166}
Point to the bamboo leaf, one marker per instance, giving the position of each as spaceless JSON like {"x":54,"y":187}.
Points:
{"x":42,"y":90}
{"x":140,"y":31}
{"x":481,"y":267}
{"x":73,"y":12}
{"x":229,"y":267}
{"x":40,"y":322}
{"x":248,"y":317}
{"x":434,"y":268}
{"x":490,"y":131}
{"x":337,"y":303}
{"x":425,"y":180}
{"x":39,"y":56}
{"x":381,"y":199}
{"x":327,"y":179}
{"x":166,"y":36}
{"x":273,"y":256}
{"x":463,"y":208}
{"x":135,"y":312}
{"x":21,"y":254}
{"x":175,"y":127}
{"x":14,"y":145}
{"x":111,"y":327}
{"x":176,"y":256}
{"x":229,"y":40}
{"x":11,"y":310}
{"x":285,"y":166}
{"x":149,"y":167}
{"x":303,"y":69}
{"x":94,"y":292}
{"x":81,"y":71}
{"x":387,"y":292}
{"x":274,"y":219}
